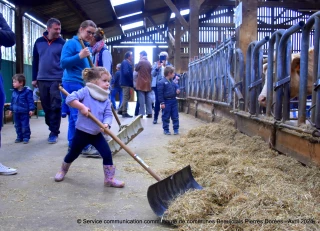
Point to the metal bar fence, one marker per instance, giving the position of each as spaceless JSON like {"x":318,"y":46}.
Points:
{"x":221,"y":77}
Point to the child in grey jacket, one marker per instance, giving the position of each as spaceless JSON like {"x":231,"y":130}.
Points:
{"x":94,"y":97}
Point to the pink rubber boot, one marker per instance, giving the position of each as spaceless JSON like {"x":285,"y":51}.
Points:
{"x":63,"y":171}
{"x":109,"y":171}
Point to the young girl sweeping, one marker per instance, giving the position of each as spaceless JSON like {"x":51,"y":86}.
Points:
{"x":94,"y":97}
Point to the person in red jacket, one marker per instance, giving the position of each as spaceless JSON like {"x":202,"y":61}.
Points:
{"x":143,"y":85}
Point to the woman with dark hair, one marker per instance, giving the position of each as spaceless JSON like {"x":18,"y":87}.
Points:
{"x":74,"y":61}
{"x":100,"y":53}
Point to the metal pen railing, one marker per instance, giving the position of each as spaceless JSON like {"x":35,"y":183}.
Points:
{"x":221,"y":77}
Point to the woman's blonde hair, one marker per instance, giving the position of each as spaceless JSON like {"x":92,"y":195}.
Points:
{"x":94,"y":73}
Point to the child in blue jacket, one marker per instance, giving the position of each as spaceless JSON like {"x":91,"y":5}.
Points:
{"x":22,"y":106}
{"x":167,"y":92}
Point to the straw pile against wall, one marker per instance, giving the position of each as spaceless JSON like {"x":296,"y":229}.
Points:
{"x":246,"y":185}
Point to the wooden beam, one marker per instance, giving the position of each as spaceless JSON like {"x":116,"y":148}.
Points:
{"x":145,"y":24}
{"x":76,"y":9}
{"x":125,"y":38}
{"x":173,"y":8}
{"x":290,"y":4}
{"x":216,"y":24}
{"x":158,"y":29}
{"x":19,"y":12}
{"x":183,"y":44}
{"x":177,"y":46}
{"x":216,"y":16}
{"x":114,"y":17}
{"x":135,"y":18}
{"x":171,"y":48}
{"x":222,"y":3}
{"x":201,"y":2}
{"x":194,"y":28}
{"x":247,"y":31}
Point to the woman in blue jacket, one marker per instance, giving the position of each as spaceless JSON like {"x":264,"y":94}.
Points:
{"x":74,"y":61}
{"x":7,"y":39}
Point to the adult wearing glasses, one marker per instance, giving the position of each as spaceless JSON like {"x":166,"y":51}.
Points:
{"x":74,"y":61}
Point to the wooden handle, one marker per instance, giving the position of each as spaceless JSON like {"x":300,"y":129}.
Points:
{"x":88,"y":57}
{"x":116,"y":116}
{"x":114,"y":137}
{"x":91,"y":65}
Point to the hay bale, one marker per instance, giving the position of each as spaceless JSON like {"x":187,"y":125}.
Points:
{"x":247,"y":186}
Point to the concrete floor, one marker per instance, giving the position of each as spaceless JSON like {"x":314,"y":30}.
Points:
{"x":31,"y":200}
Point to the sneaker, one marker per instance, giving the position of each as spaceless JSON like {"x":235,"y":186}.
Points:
{"x":149,"y":116}
{"x":18,"y":140}
{"x":25,"y":140}
{"x":166,"y":132}
{"x":4,"y":170}
{"x":52,"y":139}
{"x":63,"y":115}
{"x":176,"y":132}
{"x":155,"y":122}
{"x":119,"y":112}
{"x":126,"y":115}
{"x":90,"y":152}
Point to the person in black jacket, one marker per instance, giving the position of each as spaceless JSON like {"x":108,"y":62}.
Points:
{"x":116,"y":88}
{"x":47,"y":75}
{"x":126,"y":82}
{"x":7,"y":39}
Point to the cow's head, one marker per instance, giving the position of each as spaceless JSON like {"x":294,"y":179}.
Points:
{"x":263,"y":95}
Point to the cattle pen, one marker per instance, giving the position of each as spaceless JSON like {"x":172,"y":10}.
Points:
{"x":220,"y":84}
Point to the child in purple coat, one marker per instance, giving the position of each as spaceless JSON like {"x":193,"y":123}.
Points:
{"x":94,"y":97}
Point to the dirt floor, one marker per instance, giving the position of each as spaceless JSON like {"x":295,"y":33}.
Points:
{"x":31,"y":200}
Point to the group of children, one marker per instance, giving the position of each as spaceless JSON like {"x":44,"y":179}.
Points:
{"x":94,"y":97}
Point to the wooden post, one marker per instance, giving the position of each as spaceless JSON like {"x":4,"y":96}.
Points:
{"x":19,"y":11}
{"x":247,"y":31}
{"x":177,"y":41}
{"x":171,"y":48}
{"x":194,"y":28}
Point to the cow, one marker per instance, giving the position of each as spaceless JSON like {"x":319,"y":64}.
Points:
{"x":294,"y":77}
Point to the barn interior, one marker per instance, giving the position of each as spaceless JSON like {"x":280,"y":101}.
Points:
{"x":219,"y":47}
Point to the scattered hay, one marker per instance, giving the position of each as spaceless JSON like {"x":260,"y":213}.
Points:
{"x":247,"y":186}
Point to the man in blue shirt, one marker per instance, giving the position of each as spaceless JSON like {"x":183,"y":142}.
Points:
{"x":47,"y":75}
